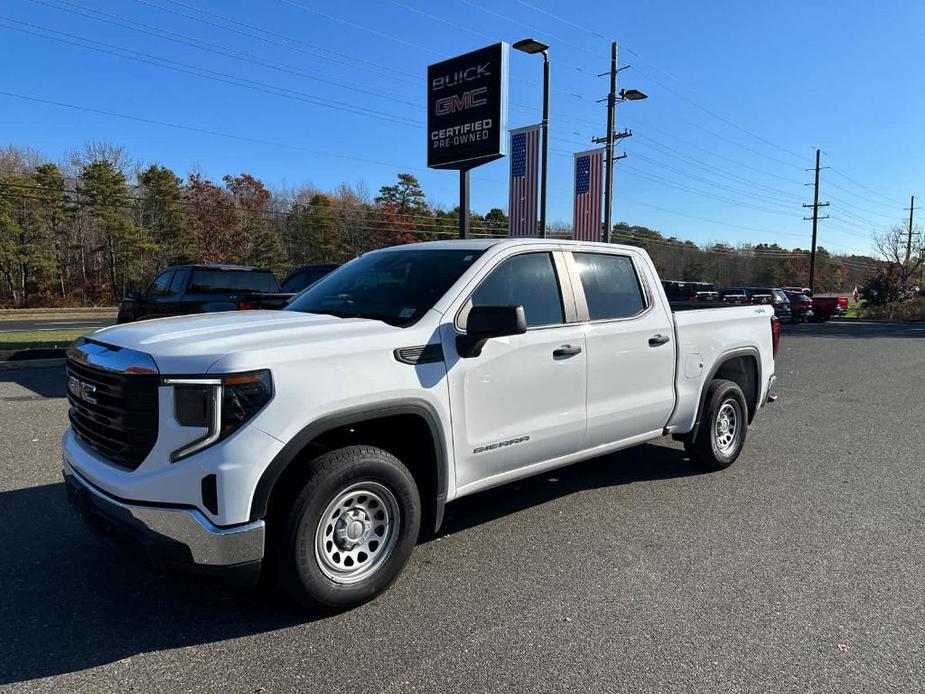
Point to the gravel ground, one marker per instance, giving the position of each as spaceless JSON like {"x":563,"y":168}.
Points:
{"x":800,"y":568}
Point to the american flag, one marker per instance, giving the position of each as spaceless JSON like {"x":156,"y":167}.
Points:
{"x":524,"y":164}
{"x":588,"y":188}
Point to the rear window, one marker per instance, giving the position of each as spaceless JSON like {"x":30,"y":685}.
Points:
{"x":232,"y":281}
{"x":610,"y":285}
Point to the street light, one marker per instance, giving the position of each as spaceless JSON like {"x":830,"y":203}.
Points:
{"x":531,"y":47}
{"x":632,"y":95}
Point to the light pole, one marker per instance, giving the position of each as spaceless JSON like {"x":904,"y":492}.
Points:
{"x":532,"y":46}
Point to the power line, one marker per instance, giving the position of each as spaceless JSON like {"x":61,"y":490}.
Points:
{"x":861,"y":197}
{"x":837,"y":172}
{"x":663,"y":85}
{"x":204,"y":73}
{"x":287,"y":42}
{"x":215,"y":48}
{"x":207,"y":131}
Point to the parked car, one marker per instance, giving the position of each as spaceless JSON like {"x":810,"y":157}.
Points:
{"x":681,"y":290}
{"x":734,"y":296}
{"x":801,"y":307}
{"x":323,"y":437}
{"x":186,"y":289}
{"x":759,"y":295}
{"x":305,"y":275}
{"x":824,"y":307}
{"x":706,"y":297}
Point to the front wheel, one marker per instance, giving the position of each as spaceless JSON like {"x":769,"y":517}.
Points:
{"x":721,"y":435}
{"x":350,"y":531}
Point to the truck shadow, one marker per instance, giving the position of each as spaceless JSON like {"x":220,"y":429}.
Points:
{"x":70,"y":602}
{"x":643,"y":463}
{"x":44,"y":383}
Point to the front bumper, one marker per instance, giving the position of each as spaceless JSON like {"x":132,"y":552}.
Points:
{"x":169,"y":537}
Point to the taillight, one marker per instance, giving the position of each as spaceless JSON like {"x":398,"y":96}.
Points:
{"x":775,"y":334}
{"x":246,"y":306}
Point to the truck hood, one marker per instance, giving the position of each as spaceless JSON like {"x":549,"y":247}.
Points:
{"x":193,"y":344}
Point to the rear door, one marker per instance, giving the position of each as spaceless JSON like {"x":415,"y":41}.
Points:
{"x":629,"y":337}
{"x":522,"y":400}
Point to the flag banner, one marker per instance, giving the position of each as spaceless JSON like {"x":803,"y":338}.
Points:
{"x":589,"y":169}
{"x":525,"y":156}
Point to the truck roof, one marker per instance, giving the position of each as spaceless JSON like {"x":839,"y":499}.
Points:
{"x":221,"y":266}
{"x":483,"y":244}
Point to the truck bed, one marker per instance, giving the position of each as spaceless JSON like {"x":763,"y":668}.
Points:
{"x":705,"y":336}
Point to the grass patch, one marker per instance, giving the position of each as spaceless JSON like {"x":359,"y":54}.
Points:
{"x":18,"y":340}
{"x":55,"y":313}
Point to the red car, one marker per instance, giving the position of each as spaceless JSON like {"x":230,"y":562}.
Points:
{"x":824,"y":307}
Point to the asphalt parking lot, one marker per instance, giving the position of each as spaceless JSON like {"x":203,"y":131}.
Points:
{"x":800,"y":568}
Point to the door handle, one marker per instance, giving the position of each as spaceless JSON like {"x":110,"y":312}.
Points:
{"x":566,"y":351}
{"x":657,"y":340}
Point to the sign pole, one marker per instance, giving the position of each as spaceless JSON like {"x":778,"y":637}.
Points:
{"x":464,"y":203}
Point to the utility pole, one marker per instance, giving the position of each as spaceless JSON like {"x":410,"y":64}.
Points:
{"x":611,"y":123}
{"x":816,"y":205}
{"x":909,"y":241}
{"x":611,"y":138}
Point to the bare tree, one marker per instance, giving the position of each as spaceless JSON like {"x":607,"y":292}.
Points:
{"x":94,"y":150}
{"x":20,"y":161}
{"x":903,"y":249}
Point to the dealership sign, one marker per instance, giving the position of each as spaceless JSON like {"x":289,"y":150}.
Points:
{"x":467,"y":109}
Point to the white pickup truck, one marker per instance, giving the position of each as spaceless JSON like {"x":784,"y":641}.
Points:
{"x":315,"y":443}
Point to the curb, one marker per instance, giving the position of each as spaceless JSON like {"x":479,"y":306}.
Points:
{"x":21,"y":364}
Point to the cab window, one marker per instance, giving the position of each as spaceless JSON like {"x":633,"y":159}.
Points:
{"x":611,"y":286}
{"x":527,"y":280}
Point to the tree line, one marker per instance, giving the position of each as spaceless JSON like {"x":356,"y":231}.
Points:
{"x":87,"y":230}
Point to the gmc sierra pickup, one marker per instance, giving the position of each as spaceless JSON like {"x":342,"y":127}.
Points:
{"x":315,"y":443}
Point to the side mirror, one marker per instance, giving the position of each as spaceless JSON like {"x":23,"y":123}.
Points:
{"x":486,"y":322}
{"x":133,"y":294}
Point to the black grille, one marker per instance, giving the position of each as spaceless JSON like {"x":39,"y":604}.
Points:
{"x":121,"y":425}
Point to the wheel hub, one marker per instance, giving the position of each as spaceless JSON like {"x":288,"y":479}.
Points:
{"x":352,"y":528}
{"x":726,"y":426}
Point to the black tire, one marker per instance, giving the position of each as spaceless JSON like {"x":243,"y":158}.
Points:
{"x":305,"y":570}
{"x":708,"y":450}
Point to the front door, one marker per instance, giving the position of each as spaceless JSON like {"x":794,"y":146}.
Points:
{"x":522,"y":400}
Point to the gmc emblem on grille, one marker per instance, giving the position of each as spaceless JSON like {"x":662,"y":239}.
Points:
{"x":81,"y":389}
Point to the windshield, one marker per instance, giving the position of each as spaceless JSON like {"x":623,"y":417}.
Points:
{"x":396,"y":287}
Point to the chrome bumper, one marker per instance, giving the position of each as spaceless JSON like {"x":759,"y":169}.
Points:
{"x":186,"y":533}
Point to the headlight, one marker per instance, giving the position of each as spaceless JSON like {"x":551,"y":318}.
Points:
{"x":220,"y":405}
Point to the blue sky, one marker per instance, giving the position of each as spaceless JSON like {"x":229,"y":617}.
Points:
{"x":740,"y":93}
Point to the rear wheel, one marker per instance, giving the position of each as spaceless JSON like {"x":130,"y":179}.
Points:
{"x":350,"y":531}
{"x":721,"y":435}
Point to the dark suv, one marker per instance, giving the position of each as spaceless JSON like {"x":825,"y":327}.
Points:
{"x":759,"y":295}
{"x":187,"y":289}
